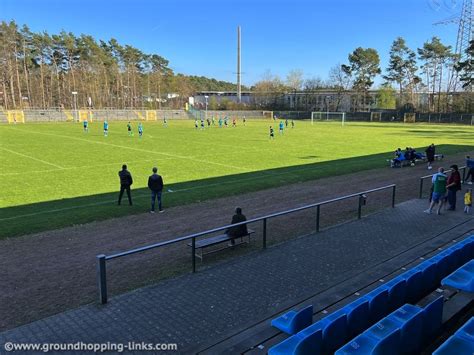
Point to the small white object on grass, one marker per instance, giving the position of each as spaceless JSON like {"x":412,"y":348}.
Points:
{"x":169,"y":190}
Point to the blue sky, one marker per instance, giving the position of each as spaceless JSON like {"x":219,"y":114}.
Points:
{"x":199,"y":37}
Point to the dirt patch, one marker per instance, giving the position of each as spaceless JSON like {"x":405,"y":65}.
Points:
{"x":53,"y":271}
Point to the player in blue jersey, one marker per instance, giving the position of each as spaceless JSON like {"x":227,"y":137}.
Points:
{"x":106,"y":128}
{"x":85,"y":124}
{"x":281,"y":127}
{"x":140,"y":129}
{"x":220,"y":122}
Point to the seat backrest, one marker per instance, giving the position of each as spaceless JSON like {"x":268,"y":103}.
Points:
{"x":432,"y":317}
{"x":397,"y":293}
{"x":335,"y":334}
{"x":388,"y":345}
{"x":413,"y":286}
{"x":357,"y":317}
{"x":310,"y":344}
{"x":378,"y":304}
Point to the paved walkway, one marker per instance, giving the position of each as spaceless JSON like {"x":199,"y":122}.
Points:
{"x":197,"y":309}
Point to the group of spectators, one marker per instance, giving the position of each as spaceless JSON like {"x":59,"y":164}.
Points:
{"x":155,"y":184}
{"x":444,"y":188}
{"x":410,"y":155}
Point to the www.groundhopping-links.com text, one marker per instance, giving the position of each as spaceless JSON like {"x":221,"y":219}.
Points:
{"x":92,"y":347}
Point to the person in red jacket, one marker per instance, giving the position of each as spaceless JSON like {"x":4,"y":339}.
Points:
{"x":453,"y":185}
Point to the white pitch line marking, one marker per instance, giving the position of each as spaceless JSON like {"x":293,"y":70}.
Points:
{"x":33,"y":158}
{"x":141,"y":150}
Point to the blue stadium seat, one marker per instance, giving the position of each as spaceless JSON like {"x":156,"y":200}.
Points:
{"x":413,"y":285}
{"x":294,"y":321}
{"x":410,"y":319}
{"x":334,"y":329}
{"x":299,"y":345}
{"x":357,"y":317}
{"x":456,"y":345}
{"x":429,"y":275}
{"x":432,"y":318}
{"x":378,"y":304}
{"x":367,"y":344}
{"x":397,"y":288}
{"x":467,"y":330}
{"x":462,"y":278}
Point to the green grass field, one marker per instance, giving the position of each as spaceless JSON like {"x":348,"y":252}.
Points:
{"x":55,"y":175}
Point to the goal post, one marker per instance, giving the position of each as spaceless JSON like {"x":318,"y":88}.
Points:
{"x":328,"y":116}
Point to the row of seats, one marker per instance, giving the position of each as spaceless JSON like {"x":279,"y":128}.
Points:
{"x":402,"y":331}
{"x":334,"y":330}
{"x":461,"y":343}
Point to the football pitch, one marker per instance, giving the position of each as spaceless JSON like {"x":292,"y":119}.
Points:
{"x":55,"y":174}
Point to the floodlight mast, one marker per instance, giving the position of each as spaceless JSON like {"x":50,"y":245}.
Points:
{"x":239,"y":82}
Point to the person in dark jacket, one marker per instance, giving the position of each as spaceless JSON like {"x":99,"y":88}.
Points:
{"x":125,"y":182}
{"x":237,"y":231}
{"x":453,"y":185}
{"x":430,"y":155}
{"x":155,"y":184}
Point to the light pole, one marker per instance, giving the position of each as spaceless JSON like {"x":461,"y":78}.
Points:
{"x":327,"y":108}
{"x":206,"y":97}
{"x":74,"y":96}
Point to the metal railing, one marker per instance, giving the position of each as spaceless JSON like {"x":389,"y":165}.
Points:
{"x":102,"y":258}
{"x":423,"y":178}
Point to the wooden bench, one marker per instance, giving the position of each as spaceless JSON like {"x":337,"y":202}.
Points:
{"x":202,"y":244}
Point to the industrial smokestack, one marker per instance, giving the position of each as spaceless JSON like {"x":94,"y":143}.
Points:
{"x":239,"y":89}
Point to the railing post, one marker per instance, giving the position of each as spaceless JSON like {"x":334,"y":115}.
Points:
{"x":421,"y":188}
{"x":102,"y":278}
{"x":359,"y":210}
{"x":318,"y":213}
{"x":393,"y":195}
{"x":463,"y":179}
{"x":194,"y":253}
{"x":264,"y":233}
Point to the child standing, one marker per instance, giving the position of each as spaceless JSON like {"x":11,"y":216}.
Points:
{"x":140,"y":130}
{"x":468,"y":201}
{"x":272,"y":135}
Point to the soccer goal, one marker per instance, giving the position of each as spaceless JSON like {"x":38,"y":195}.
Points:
{"x":328,"y":116}
{"x":15,"y":116}
{"x":376,"y":116}
{"x":268,"y":114}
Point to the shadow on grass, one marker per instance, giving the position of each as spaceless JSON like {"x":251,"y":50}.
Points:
{"x":32,"y":218}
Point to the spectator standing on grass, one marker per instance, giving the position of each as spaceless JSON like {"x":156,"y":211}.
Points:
{"x":125,"y":182}
{"x":439,"y":190}
{"x":470,"y":171}
{"x":155,"y":184}
{"x":468,"y":201}
{"x":453,"y":185}
{"x":430,"y":155}
{"x":237,"y":231}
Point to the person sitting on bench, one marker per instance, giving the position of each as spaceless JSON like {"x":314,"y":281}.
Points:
{"x":237,"y":231}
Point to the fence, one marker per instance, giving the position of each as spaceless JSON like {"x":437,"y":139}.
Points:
{"x":60,"y":115}
{"x":423,"y":178}
{"x":361,"y":198}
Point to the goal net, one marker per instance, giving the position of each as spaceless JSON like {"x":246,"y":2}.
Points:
{"x":150,"y":115}
{"x":328,"y":116}
{"x":376,"y":116}
{"x":409,"y":117}
{"x":85,"y":115}
{"x":15,"y":116}
{"x":268,"y":114}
